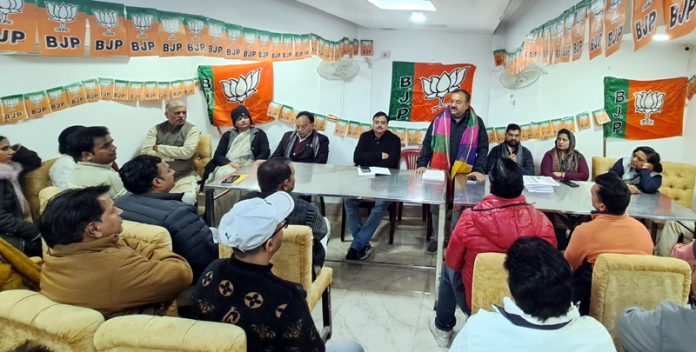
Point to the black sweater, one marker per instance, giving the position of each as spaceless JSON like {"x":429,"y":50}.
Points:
{"x":369,"y":150}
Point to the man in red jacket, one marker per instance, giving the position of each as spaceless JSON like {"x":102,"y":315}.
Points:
{"x":493,"y":225}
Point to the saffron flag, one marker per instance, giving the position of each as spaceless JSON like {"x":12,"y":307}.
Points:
{"x":614,"y":19}
{"x":644,"y":109}
{"x":61,"y":27}
{"x":596,"y":38}
{"x":226,"y":87}
{"x":143,"y":29}
{"x":419,"y":90}
{"x":107,"y":29}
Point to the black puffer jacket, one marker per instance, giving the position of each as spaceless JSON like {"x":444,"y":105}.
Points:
{"x":191,"y":237}
{"x":13,"y":228}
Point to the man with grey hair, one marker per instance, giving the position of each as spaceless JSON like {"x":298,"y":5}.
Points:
{"x":175,"y":142}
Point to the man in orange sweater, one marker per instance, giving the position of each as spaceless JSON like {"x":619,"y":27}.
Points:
{"x":610,"y":231}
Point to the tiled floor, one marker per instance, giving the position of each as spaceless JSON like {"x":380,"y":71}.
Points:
{"x":385,"y":302}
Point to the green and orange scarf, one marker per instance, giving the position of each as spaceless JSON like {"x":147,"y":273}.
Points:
{"x":440,"y":143}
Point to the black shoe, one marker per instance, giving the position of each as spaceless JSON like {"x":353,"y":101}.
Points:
{"x":352,"y":254}
{"x":366,"y":252}
{"x":432,"y":248}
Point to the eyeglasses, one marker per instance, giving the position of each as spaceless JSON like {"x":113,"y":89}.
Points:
{"x":283,"y":225}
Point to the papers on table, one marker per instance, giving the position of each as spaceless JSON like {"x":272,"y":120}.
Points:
{"x":540,"y":184}
{"x":434,"y":175}
{"x":374,"y":170}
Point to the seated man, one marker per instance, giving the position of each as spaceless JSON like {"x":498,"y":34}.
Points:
{"x":149,"y":179}
{"x":669,"y":327}
{"x":175,"y":141}
{"x":94,"y":151}
{"x":492,"y":225}
{"x":377,"y":147}
{"x":610,"y":231}
{"x":512,"y":149}
{"x":671,"y":234}
{"x":304,"y":145}
{"x":88,"y":265}
{"x":540,"y":315}
{"x":61,"y":172}
{"x":278,"y":174}
{"x":242,"y":290}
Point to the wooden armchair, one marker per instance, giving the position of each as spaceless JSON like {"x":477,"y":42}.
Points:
{"x":293,"y":262}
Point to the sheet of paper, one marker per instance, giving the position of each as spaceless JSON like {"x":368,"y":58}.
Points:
{"x":434,"y":175}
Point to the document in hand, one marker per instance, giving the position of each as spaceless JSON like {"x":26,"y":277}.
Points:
{"x":434,"y":175}
{"x":373,"y":170}
{"x":540,"y":184}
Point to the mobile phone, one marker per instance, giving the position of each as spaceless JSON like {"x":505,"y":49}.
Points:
{"x":230,"y":179}
{"x":570,"y":183}
{"x":365,"y":169}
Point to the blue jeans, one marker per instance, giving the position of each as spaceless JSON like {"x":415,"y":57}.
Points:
{"x":450,"y":295}
{"x":362,"y":233}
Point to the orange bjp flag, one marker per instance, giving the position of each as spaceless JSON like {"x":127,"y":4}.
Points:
{"x":107,"y":29}
{"x":62,"y":26}
{"x":226,"y":87}
{"x":644,"y":109}
{"x":143,"y":29}
{"x":614,"y":19}
{"x":419,"y":90}
{"x":644,"y":22}
{"x":679,"y":17}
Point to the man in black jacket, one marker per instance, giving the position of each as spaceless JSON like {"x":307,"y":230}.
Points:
{"x":150,"y":179}
{"x":377,"y":147}
{"x":512,"y":149}
{"x":304,"y":145}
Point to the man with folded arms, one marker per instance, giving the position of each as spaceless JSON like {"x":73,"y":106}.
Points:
{"x":88,"y":265}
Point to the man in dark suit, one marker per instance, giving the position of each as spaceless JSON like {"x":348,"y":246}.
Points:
{"x":304,"y":145}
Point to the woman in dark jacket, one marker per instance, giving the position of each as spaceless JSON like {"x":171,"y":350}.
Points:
{"x":641,"y":171}
{"x":238,"y":147}
{"x":14,"y":209}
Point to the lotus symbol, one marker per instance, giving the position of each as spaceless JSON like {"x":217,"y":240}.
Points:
{"x":215,"y":31}
{"x":437,"y":87}
{"x":120,"y":85}
{"x":238,"y":90}
{"x":74,"y":89}
{"x":9,"y":6}
{"x":11,"y":103}
{"x":142,"y":23}
{"x":275,"y":41}
{"x":61,"y":13}
{"x":649,"y":103}
{"x":171,"y":26}
{"x":195,"y":27}
{"x":90,"y":85}
{"x":579,"y":25}
{"x":614,"y":7}
{"x":234,"y":34}
{"x":107,"y":19}
{"x":55,"y":94}
{"x":287,"y":41}
{"x":36,"y":99}
{"x":597,"y":9}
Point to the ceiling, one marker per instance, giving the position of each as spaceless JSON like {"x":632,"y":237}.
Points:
{"x":472,"y":16}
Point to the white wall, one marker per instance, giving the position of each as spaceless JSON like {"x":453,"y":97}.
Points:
{"x":575,"y":87}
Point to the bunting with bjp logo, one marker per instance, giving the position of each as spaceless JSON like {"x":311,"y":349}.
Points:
{"x":644,"y":109}
{"x":197,"y":40}
{"x":644,"y":22}
{"x":107,"y":29}
{"x":36,"y":104}
{"x":172,"y":37}
{"x":217,"y":38}
{"x":419,"y":90}
{"x":596,"y":39}
{"x":679,"y":17}
{"x":614,"y":19}
{"x":62,"y":27}
{"x":18,"y":25}
{"x":226,"y":87}
{"x":143,"y":30}
{"x":578,"y":36}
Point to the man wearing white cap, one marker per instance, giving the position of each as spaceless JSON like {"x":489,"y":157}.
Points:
{"x":242,"y":290}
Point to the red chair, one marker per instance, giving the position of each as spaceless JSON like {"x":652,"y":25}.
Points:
{"x":410,"y":156}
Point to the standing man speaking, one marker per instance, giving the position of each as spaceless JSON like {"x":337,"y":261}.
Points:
{"x":456,"y":142}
